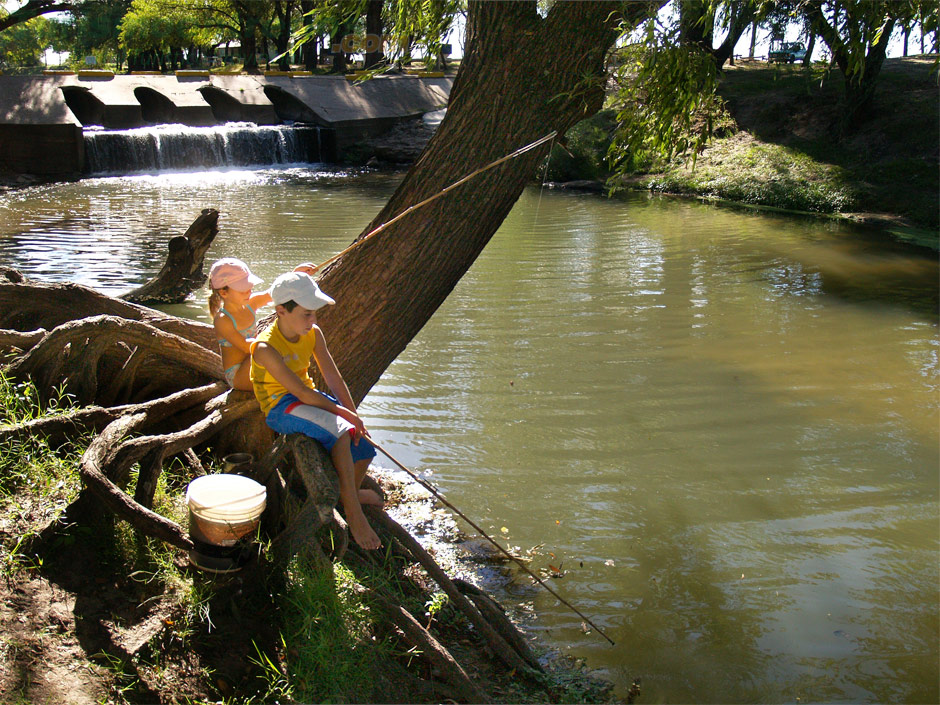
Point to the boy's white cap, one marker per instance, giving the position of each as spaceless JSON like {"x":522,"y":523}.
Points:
{"x":301,"y":289}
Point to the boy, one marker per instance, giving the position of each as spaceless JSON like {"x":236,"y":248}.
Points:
{"x":280,"y":357}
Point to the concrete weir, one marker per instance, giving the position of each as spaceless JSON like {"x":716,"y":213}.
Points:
{"x":42,"y":118}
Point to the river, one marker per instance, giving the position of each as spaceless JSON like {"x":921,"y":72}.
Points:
{"x":720,"y":427}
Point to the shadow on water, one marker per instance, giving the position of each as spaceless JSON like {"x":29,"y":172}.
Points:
{"x":864,"y":267}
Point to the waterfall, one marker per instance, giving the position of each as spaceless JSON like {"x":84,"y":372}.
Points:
{"x":167,"y":147}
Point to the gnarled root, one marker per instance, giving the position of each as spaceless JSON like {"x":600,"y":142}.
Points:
{"x":131,"y":359}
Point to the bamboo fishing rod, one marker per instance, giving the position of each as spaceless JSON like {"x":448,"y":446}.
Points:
{"x":430,"y":488}
{"x":522,"y":150}
{"x":411,"y":209}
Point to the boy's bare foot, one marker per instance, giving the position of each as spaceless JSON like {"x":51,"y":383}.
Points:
{"x":362,"y":533}
{"x":370,"y":497}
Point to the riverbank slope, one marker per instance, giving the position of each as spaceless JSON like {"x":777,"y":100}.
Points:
{"x":778,"y":148}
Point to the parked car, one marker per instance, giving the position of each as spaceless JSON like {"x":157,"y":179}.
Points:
{"x":786,"y":52}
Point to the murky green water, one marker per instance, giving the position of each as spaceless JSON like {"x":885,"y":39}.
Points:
{"x":721,"y":426}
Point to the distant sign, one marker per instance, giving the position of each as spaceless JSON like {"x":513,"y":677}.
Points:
{"x":90,"y":61}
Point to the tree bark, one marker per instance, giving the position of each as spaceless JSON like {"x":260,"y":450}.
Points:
{"x":522,"y":76}
{"x":374,"y":29}
{"x":182,"y":272}
{"x":27,"y":306}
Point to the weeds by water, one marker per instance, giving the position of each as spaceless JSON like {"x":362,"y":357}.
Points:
{"x":35,"y":482}
{"x":744,"y":170}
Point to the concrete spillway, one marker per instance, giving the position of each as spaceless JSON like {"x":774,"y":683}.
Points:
{"x":50,"y":124}
{"x":145,"y":149}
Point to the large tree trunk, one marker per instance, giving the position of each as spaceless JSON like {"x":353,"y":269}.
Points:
{"x":522,"y":76}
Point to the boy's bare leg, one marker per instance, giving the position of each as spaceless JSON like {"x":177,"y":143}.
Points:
{"x":359,"y":527}
{"x":366,"y":496}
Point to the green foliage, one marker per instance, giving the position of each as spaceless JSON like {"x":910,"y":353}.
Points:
{"x":763,"y":174}
{"x":667,"y":102}
{"x":161,"y":25}
{"x":23,"y":44}
{"x":584,"y":154}
{"x":327,"y":634}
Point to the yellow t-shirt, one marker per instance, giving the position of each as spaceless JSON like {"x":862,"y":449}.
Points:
{"x":296,"y":356}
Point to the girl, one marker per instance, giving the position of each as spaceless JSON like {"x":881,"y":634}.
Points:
{"x":233,"y":307}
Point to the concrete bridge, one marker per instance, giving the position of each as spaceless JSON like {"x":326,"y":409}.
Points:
{"x":41,"y":118}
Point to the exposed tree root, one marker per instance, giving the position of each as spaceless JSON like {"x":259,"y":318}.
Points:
{"x":504,"y":651}
{"x":431,"y":649}
{"x":154,"y":393}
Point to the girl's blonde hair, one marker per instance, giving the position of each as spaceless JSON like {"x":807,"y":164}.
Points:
{"x":215,"y":301}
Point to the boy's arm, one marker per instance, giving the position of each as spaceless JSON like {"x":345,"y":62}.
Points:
{"x":334,"y":380}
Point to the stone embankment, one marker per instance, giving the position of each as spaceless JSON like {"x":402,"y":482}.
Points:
{"x":42,"y":118}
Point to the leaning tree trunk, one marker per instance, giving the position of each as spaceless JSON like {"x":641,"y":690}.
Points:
{"x":522,"y":76}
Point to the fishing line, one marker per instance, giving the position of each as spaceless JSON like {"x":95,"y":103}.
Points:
{"x":548,"y":160}
{"x":430,"y":488}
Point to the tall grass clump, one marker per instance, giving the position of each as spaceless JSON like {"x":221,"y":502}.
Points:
{"x":36,"y":484}
{"x":328,"y":636}
{"x":27,"y":464}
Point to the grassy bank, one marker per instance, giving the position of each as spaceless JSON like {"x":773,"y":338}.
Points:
{"x":91,"y":611}
{"x":779,"y":149}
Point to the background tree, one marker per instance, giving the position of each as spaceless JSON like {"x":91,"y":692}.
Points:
{"x":699,"y":19}
{"x":283,"y":15}
{"x":93,"y":31}
{"x":857,"y":34}
{"x":374,"y":36}
{"x":309,"y":51}
{"x":25,"y":43}
{"x":157,"y":27}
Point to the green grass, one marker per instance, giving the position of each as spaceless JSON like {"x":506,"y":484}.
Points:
{"x":747,"y":171}
{"x":35,"y":482}
{"x":328,"y":637}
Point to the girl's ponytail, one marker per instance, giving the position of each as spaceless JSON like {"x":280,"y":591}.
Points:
{"x":215,"y":302}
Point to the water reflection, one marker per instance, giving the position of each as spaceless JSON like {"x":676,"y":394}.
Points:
{"x":723,"y":426}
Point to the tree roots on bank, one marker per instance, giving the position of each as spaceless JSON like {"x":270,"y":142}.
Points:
{"x":150,"y":390}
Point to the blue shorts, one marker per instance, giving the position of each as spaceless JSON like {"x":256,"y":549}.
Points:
{"x":290,"y":415}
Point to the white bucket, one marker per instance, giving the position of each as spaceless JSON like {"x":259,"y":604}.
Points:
{"x":224,"y":508}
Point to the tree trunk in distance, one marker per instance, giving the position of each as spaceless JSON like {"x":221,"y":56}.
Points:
{"x":182,"y":272}
{"x":522,"y":76}
{"x":373,"y":29}
{"x":309,"y":49}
